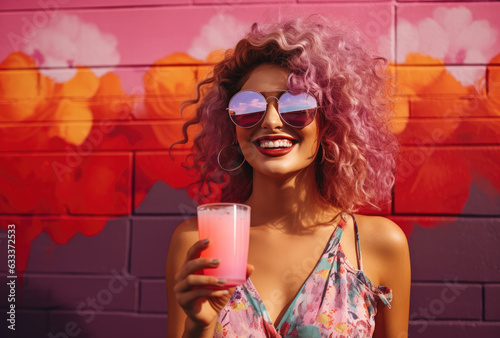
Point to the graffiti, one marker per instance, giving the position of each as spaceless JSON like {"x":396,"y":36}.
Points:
{"x":88,"y":118}
{"x":31,"y":25}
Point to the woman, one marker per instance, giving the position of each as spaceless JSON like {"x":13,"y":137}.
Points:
{"x":312,"y":150}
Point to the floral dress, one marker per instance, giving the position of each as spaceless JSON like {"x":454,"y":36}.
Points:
{"x":336,"y":300}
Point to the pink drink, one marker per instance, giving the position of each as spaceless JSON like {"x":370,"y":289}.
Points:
{"x":228,"y":227}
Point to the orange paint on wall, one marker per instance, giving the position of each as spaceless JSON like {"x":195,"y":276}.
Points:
{"x":100,"y":183}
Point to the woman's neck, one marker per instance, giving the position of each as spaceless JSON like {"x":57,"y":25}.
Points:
{"x":290,"y":203}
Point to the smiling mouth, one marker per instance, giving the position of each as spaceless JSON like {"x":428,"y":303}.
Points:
{"x":275,"y":147}
{"x":274,"y":144}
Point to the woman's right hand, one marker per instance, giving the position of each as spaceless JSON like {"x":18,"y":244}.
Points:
{"x":201,"y":303}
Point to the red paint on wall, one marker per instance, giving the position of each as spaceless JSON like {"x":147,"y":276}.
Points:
{"x":91,"y":115}
{"x":75,"y":175}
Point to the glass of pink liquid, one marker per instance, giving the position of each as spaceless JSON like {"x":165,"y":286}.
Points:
{"x":228,"y":227}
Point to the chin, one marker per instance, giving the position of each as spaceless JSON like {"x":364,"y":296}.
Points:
{"x":280,"y":166}
{"x":277,"y":170}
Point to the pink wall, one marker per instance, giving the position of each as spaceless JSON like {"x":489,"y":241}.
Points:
{"x":89,"y":95}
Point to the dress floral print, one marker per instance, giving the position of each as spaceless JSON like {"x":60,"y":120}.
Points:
{"x":336,"y":300}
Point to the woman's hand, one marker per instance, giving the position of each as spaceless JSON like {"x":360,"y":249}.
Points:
{"x":195,"y":293}
{"x":201,"y":304}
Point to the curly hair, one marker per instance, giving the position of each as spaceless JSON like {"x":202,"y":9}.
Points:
{"x":356,"y":160}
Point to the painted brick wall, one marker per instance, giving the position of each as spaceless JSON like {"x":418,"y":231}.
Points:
{"x":89,"y":95}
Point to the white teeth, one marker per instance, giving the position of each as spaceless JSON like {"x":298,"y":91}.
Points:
{"x":276,"y":144}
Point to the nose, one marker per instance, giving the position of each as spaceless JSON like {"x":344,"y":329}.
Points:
{"x":272,"y":118}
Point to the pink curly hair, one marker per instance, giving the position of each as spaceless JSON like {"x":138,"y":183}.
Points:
{"x":356,"y":161}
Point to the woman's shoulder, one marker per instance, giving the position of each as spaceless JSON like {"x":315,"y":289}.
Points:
{"x":381,"y":233}
{"x":186,"y":233}
{"x":189,"y":225}
{"x":183,"y":238}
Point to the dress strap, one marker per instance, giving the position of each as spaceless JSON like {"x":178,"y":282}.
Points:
{"x":358,"y":246}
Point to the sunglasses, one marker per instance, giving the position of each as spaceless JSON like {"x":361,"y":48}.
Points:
{"x":248,"y":107}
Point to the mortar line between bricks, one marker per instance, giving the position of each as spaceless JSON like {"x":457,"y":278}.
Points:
{"x":61,"y":217}
{"x":107,"y":152}
{"x":483,"y":302}
{"x":451,"y":145}
{"x":128,"y":251}
{"x":436,"y":65}
{"x":457,"y":118}
{"x":161,"y":150}
{"x":443,"y":281}
{"x":454,"y":146}
{"x":117,"y":121}
{"x":123,"y":65}
{"x":170,"y":122}
{"x":187,"y":65}
{"x":104,"y":311}
{"x":49,"y":274}
{"x":191,"y":5}
{"x":487,"y":82}
{"x":110,"y":312}
{"x":156,"y":216}
{"x":145,"y":122}
{"x":132,"y":183}
{"x":47,"y":321}
{"x":453,"y":321}
{"x":152,"y":279}
{"x":139,"y":296}
{"x":91,"y":8}
{"x":90,"y":275}
{"x":159,"y":215}
{"x":96,"y":217}
{"x":128,"y":248}
{"x":420,"y":282}
{"x":117,"y":7}
{"x":441,"y":2}
{"x":452,"y":217}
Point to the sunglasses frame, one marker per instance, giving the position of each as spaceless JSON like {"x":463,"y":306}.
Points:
{"x":277,"y":100}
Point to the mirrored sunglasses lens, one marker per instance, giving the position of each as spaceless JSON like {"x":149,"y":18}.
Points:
{"x":297,"y":110}
{"x":246,"y":108}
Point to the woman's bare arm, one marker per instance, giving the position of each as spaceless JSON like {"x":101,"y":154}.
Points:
{"x":395,"y":273}
{"x":178,"y":324}
{"x":194,"y":300}
{"x":183,"y":238}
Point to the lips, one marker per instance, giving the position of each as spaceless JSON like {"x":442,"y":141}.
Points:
{"x":275,"y":145}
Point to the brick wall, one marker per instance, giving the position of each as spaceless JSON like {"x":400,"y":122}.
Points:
{"x":86,"y":177}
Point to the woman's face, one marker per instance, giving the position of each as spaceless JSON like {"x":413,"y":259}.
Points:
{"x":256,"y":143}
